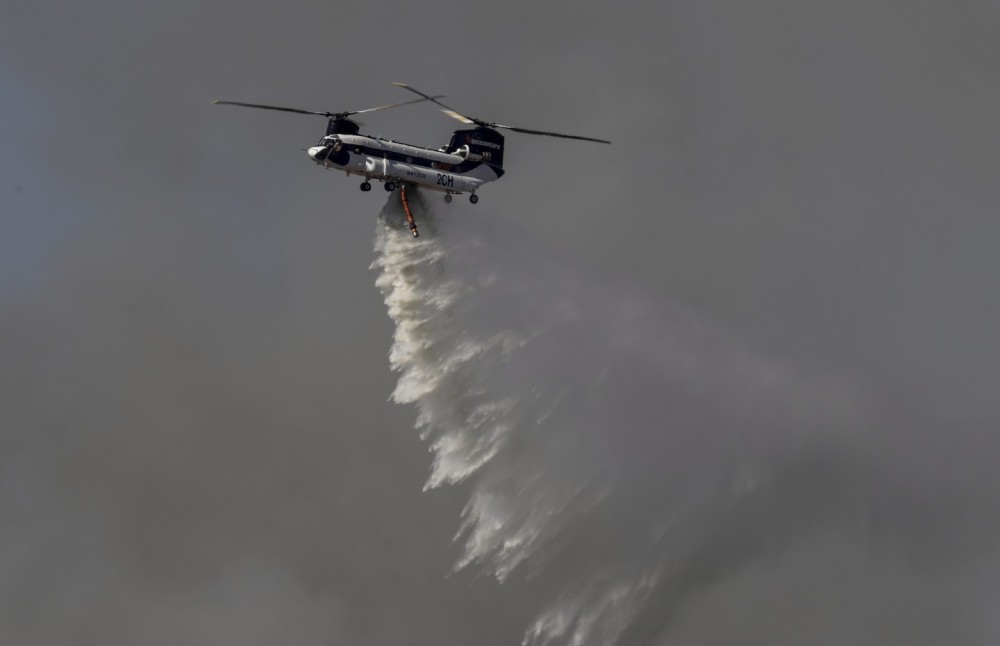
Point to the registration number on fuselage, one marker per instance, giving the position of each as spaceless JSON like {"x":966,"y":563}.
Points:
{"x":445,"y":180}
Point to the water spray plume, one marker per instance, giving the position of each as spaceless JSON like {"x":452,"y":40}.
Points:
{"x":629,"y":463}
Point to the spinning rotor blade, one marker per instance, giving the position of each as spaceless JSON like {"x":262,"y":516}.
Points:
{"x":271,"y":107}
{"x":394,"y":105}
{"x":455,"y":114}
{"x":551,"y":134}
{"x":450,"y":111}
{"x":335,"y":115}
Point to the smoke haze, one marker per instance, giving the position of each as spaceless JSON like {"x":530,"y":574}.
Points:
{"x":650,"y":479}
{"x":760,"y":330}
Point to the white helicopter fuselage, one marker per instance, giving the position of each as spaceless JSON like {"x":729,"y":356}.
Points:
{"x":392,"y":161}
{"x":473,"y":157}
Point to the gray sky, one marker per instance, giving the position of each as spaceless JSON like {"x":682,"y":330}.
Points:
{"x":196,"y":440}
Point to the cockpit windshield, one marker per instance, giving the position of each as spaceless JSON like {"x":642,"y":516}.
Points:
{"x":332,"y":142}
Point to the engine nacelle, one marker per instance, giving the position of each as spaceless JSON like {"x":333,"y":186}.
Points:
{"x":467,"y":154}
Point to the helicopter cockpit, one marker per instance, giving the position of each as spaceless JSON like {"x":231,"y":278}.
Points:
{"x":329,"y":149}
{"x":334,"y":143}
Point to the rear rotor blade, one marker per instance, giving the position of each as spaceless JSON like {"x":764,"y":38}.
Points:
{"x":455,"y":114}
{"x":550,"y":134}
{"x":449,"y":110}
{"x":393,"y":105}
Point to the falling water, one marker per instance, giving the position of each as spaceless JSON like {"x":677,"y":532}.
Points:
{"x":630,"y":460}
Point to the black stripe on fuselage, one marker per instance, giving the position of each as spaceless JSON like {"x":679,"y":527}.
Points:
{"x":423,"y":162}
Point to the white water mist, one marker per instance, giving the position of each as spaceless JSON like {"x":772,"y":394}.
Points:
{"x":629,"y":463}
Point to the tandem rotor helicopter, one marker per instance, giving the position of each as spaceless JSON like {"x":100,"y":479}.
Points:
{"x":473,"y":157}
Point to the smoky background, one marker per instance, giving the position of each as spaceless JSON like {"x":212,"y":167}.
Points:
{"x":196,"y":439}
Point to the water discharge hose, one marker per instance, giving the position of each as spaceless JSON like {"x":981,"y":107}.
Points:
{"x":406,"y":208}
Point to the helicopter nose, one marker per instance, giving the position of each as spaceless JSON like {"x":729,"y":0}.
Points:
{"x":318,"y":153}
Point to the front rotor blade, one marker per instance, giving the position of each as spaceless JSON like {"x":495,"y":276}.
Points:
{"x":339,"y":115}
{"x":550,"y":134}
{"x":272,"y":107}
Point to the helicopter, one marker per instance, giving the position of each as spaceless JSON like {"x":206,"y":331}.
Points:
{"x":472,"y":158}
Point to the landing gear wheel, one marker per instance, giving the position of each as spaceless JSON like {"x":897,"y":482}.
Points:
{"x":474,"y":198}
{"x":447,"y":198}
{"x":365,"y":187}
{"x":390,"y":186}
